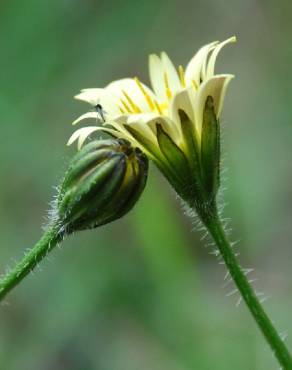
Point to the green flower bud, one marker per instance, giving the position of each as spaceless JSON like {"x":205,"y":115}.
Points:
{"x":103,"y":182}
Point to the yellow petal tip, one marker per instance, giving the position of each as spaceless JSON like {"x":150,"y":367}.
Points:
{"x":153,"y":56}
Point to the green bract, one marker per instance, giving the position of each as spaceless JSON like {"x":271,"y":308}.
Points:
{"x":194,"y":172}
{"x":103,"y":182}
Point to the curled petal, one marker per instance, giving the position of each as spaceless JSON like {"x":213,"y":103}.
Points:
{"x":86,"y":116}
{"x":196,"y":65}
{"x":81,"y":135}
{"x":216,"y":88}
{"x":213,"y":57}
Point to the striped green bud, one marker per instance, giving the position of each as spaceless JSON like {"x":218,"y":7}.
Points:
{"x":103,"y":182}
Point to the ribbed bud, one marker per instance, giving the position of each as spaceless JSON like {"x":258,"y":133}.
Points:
{"x":103,"y":182}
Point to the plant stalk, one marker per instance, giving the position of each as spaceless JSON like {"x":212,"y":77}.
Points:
{"x":277,"y":345}
{"x":47,"y":242}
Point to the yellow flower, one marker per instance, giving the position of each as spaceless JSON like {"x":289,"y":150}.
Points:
{"x":132,"y":111}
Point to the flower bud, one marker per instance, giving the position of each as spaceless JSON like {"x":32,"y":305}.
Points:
{"x":103,"y":182}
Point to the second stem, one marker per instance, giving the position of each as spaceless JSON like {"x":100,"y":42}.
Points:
{"x":215,"y":228}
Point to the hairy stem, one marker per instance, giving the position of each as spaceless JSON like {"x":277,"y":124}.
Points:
{"x":48,"y":241}
{"x":279,"y":348}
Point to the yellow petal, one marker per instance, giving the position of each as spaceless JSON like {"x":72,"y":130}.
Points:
{"x":90,"y":96}
{"x":156,"y":76}
{"x":110,"y":104}
{"x":163,"y":76}
{"x":105,"y":98}
{"x":128,"y":89}
{"x":171,"y":72}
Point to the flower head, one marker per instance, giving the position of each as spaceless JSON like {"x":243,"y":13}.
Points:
{"x":175,"y":123}
{"x":103,"y":182}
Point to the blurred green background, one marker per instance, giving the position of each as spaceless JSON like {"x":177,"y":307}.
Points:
{"x":142,"y":293}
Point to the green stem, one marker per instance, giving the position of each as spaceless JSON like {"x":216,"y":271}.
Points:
{"x":48,"y":241}
{"x":215,"y":228}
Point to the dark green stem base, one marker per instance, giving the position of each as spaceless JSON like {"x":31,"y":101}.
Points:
{"x":215,"y":228}
{"x":48,"y":241}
